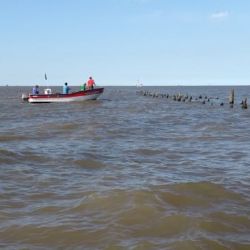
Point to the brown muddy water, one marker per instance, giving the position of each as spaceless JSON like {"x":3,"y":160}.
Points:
{"x":125,"y":172}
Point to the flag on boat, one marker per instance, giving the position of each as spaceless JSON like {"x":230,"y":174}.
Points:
{"x":45,"y":76}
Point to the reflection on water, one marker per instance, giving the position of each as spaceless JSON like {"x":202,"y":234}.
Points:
{"x":125,"y":172}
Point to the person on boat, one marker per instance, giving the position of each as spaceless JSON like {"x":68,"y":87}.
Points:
{"x":83,"y":87}
{"x":90,"y":83}
{"x":66,"y":88}
{"x":35,"y":90}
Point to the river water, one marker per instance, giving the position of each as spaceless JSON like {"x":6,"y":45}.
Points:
{"x":125,"y":172}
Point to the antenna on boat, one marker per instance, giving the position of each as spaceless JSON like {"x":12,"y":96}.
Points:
{"x":47,"y":90}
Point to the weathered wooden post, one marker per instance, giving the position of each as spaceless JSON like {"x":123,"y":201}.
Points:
{"x":244,"y":104}
{"x":231,"y":98}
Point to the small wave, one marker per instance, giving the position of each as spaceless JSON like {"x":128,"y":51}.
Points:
{"x":51,"y":237}
{"x":8,"y":153}
{"x":202,"y":243}
{"x":68,"y":126}
{"x":7,"y":156}
{"x":237,"y":155}
{"x":10,"y":157}
{"x":89,"y":164}
{"x":226,"y":222}
{"x":9,"y":138}
{"x":42,"y":196}
{"x":55,"y":127}
{"x":165,"y":226}
{"x":197,"y":194}
{"x":49,"y":210}
{"x":148,"y":152}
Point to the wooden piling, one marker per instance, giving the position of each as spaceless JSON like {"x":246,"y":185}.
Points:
{"x":244,"y":104}
{"x":231,"y":97}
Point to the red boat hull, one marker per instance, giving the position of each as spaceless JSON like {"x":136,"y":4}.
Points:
{"x":71,"y":97}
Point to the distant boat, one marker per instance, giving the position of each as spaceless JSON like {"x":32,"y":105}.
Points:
{"x":78,"y":96}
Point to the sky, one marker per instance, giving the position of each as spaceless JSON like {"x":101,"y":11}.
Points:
{"x":125,"y":42}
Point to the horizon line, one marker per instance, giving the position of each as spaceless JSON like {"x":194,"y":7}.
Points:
{"x":141,"y":86}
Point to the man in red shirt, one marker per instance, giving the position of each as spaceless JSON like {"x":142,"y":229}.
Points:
{"x":90,"y":83}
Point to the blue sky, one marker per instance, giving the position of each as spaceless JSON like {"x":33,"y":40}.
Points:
{"x":118,"y":42}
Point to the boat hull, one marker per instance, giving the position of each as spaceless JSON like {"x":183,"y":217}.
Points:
{"x":71,"y":97}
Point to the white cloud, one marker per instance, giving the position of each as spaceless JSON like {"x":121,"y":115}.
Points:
{"x":220,"y":15}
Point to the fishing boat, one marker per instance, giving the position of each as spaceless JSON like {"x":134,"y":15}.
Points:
{"x":48,"y":96}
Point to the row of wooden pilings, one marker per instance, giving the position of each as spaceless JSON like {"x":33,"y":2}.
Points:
{"x":189,"y":98}
{"x":232,"y":101}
